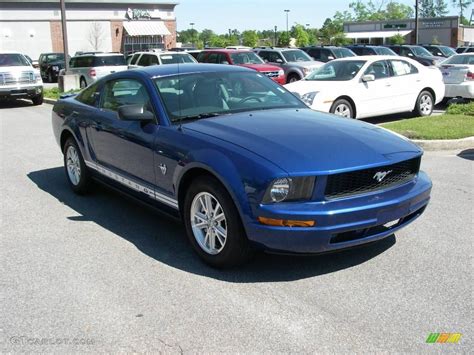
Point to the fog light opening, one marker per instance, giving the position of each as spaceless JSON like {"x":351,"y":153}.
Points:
{"x":285,"y":222}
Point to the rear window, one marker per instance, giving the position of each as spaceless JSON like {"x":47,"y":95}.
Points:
{"x":384,"y":51}
{"x":176,"y":58}
{"x":112,"y":60}
{"x":460,"y":59}
{"x":343,"y":52}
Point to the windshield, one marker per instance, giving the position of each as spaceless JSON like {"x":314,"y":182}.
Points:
{"x":460,"y":59}
{"x":55,"y":57}
{"x":202,"y":95}
{"x":176,"y":58}
{"x":384,"y":51}
{"x":339,"y":70}
{"x":112,"y":60}
{"x":447,"y":51}
{"x":246,"y":58}
{"x":343,"y":52}
{"x":296,"y":56}
{"x":13,"y":60}
{"x":420,"y":51}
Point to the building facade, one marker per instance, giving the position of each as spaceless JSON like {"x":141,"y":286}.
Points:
{"x":443,"y":30}
{"x":34,"y":27}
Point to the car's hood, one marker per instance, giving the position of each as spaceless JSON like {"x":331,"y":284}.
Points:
{"x":304,"y":86}
{"x":16,"y":69}
{"x":261,"y":67}
{"x":309,"y":64}
{"x":305,"y":141}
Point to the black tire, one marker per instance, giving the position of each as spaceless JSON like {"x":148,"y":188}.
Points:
{"x":50,"y":77}
{"x":83,"y":83}
{"x":340,"y":106}
{"x":37,"y":100}
{"x":424,"y":104}
{"x":291,"y":78}
{"x":83,"y":184}
{"x":236,"y":249}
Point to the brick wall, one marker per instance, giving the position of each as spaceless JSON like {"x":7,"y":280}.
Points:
{"x":170,"y":41}
{"x":56,"y":36}
{"x":116,"y":30}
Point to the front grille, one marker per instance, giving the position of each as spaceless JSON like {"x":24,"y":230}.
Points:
{"x":271,"y":74}
{"x":368,"y":180}
{"x":25,"y":77}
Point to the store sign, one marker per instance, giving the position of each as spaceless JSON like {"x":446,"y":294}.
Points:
{"x":433,"y":24}
{"x":138,"y":14}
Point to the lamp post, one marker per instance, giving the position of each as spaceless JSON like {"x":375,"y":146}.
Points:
{"x":64,"y":31}
{"x":416,"y":22}
{"x":192,"y":31}
{"x":287,"y":32}
{"x":275,"y":37}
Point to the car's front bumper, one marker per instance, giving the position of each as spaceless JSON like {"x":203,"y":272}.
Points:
{"x":341,"y":223}
{"x":464,"y":90}
{"x":20,"y":91}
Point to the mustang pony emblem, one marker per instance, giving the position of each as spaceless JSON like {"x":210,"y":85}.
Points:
{"x":380,"y":175}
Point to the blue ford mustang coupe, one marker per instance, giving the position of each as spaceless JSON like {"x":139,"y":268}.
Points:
{"x":241,"y":160}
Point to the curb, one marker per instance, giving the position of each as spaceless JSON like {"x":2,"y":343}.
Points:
{"x":445,"y":144}
{"x":49,"y":101}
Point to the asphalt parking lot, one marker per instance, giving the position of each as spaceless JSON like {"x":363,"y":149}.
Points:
{"x":101,"y":273}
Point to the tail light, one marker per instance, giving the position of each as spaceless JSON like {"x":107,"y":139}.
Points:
{"x":92,"y":72}
{"x":469,"y":76}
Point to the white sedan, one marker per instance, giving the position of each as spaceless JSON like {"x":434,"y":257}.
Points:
{"x":458,"y":75}
{"x":367,"y":86}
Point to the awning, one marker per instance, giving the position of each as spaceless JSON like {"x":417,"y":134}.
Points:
{"x":146,"y":28}
{"x":377,"y":34}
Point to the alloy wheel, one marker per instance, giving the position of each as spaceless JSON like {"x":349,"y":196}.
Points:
{"x":343,"y":110}
{"x":73,"y":165}
{"x":208,"y":222}
{"x":426,"y":104}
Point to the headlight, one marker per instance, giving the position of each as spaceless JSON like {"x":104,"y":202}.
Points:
{"x":55,"y":67}
{"x":38,"y":78}
{"x":309,"y":98}
{"x":281,"y":73}
{"x":306,"y":71}
{"x":289,"y":189}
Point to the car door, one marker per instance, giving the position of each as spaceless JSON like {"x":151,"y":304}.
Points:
{"x":375,"y":97}
{"x":406,"y":84}
{"x":125,"y":148}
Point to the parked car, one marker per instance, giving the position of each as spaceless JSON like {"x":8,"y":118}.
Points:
{"x":246,"y":170}
{"x":365,"y":49}
{"x":243,"y":58}
{"x":91,"y":67}
{"x":327,"y":53}
{"x":417,"y":53}
{"x":245,"y":48}
{"x":369,"y":86}
{"x":182,"y":49}
{"x":465,"y":49}
{"x":50,"y":64}
{"x":144,"y":59}
{"x":439,"y":50}
{"x":458,"y":76}
{"x":18,"y":78}
{"x":295,"y":63}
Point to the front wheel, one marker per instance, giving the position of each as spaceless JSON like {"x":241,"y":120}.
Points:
{"x":424,"y":104}
{"x":76,"y":170}
{"x":292,"y":78}
{"x":342,"y":108}
{"x":37,"y":100}
{"x":213,"y":224}
{"x":83,"y":83}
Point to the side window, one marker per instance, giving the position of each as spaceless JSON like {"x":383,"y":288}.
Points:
{"x":144,"y":60}
{"x":117,"y":93}
{"x":72,"y":62}
{"x":89,"y":96}
{"x":153,"y":60}
{"x":379,"y":69}
{"x":400,"y":67}
{"x":212,"y":58}
{"x":405,"y":52}
{"x":326,"y":55}
{"x":134,"y":58}
{"x":315,"y":53}
{"x":264,"y":55}
{"x":222,"y":59}
{"x":366,"y":51}
{"x":274,"y":56}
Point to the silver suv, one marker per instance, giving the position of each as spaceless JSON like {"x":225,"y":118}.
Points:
{"x":18,"y":79}
{"x":91,"y":67}
{"x":295,"y":62}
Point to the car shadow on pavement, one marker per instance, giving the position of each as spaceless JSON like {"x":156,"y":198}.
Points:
{"x":4,"y":104}
{"x":164,"y":239}
{"x":467,"y":154}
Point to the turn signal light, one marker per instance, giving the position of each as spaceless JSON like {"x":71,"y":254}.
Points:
{"x":285,"y":222}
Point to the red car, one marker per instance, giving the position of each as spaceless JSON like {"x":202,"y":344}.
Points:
{"x":242,"y":58}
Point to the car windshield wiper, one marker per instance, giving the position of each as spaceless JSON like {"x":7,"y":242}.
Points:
{"x":200,"y":116}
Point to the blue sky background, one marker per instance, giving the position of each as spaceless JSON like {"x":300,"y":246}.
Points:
{"x":220,"y":15}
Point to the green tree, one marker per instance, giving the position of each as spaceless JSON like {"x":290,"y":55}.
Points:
{"x":284,"y":39}
{"x":397,"y":11}
{"x":206,"y":36}
{"x":397,"y":39}
{"x":432,"y":8}
{"x":441,"y":8}
{"x":250,"y":38}
{"x":462,"y":5}
{"x":299,"y":33}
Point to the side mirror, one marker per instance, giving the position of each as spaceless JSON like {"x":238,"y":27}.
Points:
{"x":279,"y":61}
{"x":410,"y":54}
{"x":368,"y":77}
{"x":224,"y":62}
{"x":135,"y":113}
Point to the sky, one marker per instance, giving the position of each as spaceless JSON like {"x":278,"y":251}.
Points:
{"x":220,"y":15}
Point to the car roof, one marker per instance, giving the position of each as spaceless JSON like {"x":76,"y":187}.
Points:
{"x":226,"y":50}
{"x":159,"y":53}
{"x":372,"y":58}
{"x":175,"y":69}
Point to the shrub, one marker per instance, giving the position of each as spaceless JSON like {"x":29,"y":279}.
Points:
{"x":461,"y":109}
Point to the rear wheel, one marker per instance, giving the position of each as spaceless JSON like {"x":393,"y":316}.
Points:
{"x":424,"y":104}
{"x":292,"y":78}
{"x":83,"y":83}
{"x":213,"y":224}
{"x":342,"y":108}
{"x":76,"y":170}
